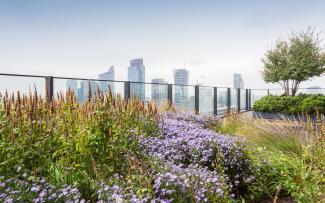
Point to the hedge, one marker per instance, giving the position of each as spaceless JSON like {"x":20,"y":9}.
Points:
{"x":301,"y":104}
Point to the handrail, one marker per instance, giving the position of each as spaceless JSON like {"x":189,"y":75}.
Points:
{"x":152,"y":83}
{"x":245,"y":94}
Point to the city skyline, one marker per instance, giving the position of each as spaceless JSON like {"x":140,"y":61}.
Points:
{"x":214,"y":38}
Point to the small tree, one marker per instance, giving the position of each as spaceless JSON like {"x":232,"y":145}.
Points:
{"x":291,"y":62}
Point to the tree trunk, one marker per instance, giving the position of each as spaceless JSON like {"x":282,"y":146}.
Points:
{"x":285,"y":85}
{"x":295,"y":86}
{"x":286,"y":88}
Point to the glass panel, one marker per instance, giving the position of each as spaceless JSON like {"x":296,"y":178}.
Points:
{"x":221,"y":101}
{"x":256,"y":95}
{"x":158,"y":93}
{"x":81,"y":88}
{"x":234,"y":99}
{"x":183,"y":98}
{"x":276,"y":92}
{"x":206,"y":100}
{"x":138,"y":90}
{"x":243,"y":99}
{"x":13,"y":84}
{"x":311,"y":91}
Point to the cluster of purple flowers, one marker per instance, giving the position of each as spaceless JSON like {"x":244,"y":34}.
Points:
{"x":23,"y":190}
{"x":117,"y":190}
{"x":191,"y":163}
{"x":116,"y":193}
{"x":187,"y":147}
{"x":190,"y":184}
{"x":202,"y":120}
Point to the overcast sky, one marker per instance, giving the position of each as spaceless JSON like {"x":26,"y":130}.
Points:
{"x":215,"y":39}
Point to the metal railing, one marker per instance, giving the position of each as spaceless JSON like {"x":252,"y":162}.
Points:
{"x":200,"y":99}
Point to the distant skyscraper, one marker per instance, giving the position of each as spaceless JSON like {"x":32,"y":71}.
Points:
{"x":181,"y":78}
{"x":136,"y":73}
{"x":109,"y":75}
{"x":159,"y":92}
{"x":73,"y":86}
{"x":238,"y":81}
{"x":84,"y":90}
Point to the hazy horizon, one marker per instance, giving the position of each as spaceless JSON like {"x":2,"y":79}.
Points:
{"x":215,"y":39}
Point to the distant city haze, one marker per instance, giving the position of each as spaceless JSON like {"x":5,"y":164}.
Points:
{"x":213,"y":40}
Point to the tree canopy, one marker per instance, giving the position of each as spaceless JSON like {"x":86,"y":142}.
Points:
{"x":291,"y":62}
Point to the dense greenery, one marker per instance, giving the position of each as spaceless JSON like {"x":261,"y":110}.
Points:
{"x":72,"y":144}
{"x":301,"y":104}
{"x":289,"y":156}
{"x":290,"y":62}
{"x":110,"y":150}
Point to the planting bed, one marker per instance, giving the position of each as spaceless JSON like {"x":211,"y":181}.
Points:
{"x":109,"y":150}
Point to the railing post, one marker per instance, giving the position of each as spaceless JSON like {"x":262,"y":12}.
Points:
{"x":170,"y":93}
{"x":250,"y":99}
{"x":238,"y":100}
{"x":268,"y":91}
{"x":49,"y":85}
{"x":215,"y":101}
{"x":127,"y":92}
{"x":247,"y":100}
{"x":228,"y":101}
{"x":197,"y":99}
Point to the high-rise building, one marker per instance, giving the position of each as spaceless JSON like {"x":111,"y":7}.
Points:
{"x":159,"y":91}
{"x":181,"y":79}
{"x":109,"y":75}
{"x":73,"y":86}
{"x":238,"y":81}
{"x":84,"y":90}
{"x":136,"y":73}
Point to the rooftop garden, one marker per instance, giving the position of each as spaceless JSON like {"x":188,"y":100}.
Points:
{"x":110,"y":150}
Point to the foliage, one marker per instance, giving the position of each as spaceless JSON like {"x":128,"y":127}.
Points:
{"x":110,"y":150}
{"x":69,"y":143}
{"x":36,"y":190}
{"x":288,"y":158}
{"x":301,"y":104}
{"x":294,"y":61}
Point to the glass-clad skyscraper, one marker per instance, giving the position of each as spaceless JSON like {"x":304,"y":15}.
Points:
{"x":159,"y":91}
{"x":109,"y":75}
{"x":136,"y":73}
{"x":238,"y":81}
{"x":181,"y":79}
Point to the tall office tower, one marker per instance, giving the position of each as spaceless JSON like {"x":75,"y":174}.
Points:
{"x":136,"y":73}
{"x":181,"y":78}
{"x":109,"y":75}
{"x":73,"y":86}
{"x":159,"y":91}
{"x":238,"y":81}
{"x":84,"y":90}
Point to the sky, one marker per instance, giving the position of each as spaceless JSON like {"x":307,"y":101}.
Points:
{"x":212,"y":39}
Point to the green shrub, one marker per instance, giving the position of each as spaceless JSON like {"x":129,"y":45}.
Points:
{"x":301,"y":104}
{"x":287,"y":174}
{"x":313,"y":104}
